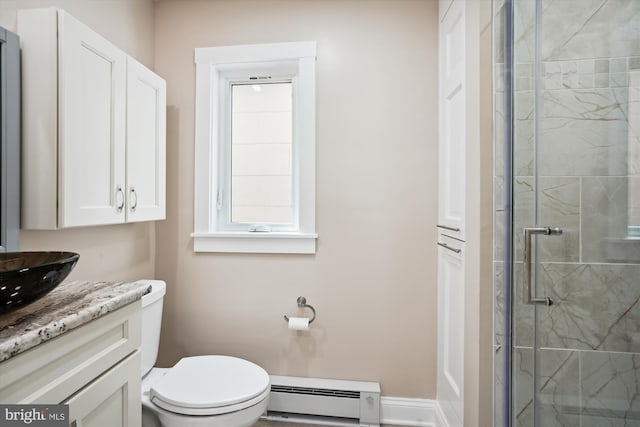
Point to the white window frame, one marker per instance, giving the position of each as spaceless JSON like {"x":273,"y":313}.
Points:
{"x":216,"y":67}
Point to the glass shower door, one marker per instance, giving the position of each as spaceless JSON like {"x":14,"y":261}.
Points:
{"x":576,"y":213}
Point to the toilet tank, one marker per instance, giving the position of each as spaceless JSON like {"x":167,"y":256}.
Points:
{"x":151,"y":321}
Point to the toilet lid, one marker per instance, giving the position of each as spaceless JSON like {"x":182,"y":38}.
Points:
{"x":209,"y":385}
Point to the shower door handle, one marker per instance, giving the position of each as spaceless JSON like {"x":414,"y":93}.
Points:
{"x":526,"y":255}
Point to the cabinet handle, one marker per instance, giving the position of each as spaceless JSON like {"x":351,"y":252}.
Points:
{"x":119,"y":198}
{"x":526,"y":259}
{"x":446,"y":227}
{"x":133,"y":198}
{"x":444,"y":245}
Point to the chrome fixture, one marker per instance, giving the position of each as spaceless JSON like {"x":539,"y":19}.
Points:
{"x":302,"y":302}
{"x":526,"y":255}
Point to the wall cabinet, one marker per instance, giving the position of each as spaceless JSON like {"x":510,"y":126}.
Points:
{"x":451,"y":210}
{"x":93,"y":128}
{"x":95,"y":369}
{"x":452,"y":113}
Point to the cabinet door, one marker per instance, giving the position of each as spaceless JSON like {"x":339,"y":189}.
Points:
{"x":451,"y":329}
{"x":146,"y":143}
{"x":451,"y":215}
{"x":92,"y":114}
{"x":114,"y":399}
{"x":451,"y":186}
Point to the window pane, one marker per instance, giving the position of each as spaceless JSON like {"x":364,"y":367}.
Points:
{"x":261,"y":141}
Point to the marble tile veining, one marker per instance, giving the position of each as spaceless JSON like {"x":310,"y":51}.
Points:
{"x":610,"y":383}
{"x":558,"y":206}
{"x":68,"y":306}
{"x":584,"y":132}
{"x":574,"y":29}
{"x":596,"y":307}
{"x":498,"y":314}
{"x":606,"y":204}
{"x":559,"y":396}
{"x":523,"y":370}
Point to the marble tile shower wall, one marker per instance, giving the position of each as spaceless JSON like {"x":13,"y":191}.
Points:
{"x":590,"y":365}
{"x":589,"y":362}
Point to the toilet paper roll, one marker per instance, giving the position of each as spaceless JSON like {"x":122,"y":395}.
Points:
{"x":299,"y":323}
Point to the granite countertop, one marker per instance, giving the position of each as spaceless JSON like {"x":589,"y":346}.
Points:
{"x":67,"y":307}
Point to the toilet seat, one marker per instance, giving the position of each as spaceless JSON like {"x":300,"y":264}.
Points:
{"x":210,"y":385}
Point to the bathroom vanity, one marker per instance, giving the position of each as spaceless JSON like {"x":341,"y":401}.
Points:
{"x":79,"y":345}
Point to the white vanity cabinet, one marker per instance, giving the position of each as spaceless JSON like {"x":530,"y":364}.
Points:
{"x":93,"y":143}
{"x":95,"y":369}
{"x":111,"y":400}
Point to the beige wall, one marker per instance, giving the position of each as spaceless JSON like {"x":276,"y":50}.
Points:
{"x":124,"y":252}
{"x":373,"y":279}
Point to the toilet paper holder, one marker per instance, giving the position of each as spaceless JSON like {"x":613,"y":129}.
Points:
{"x":302,"y":302}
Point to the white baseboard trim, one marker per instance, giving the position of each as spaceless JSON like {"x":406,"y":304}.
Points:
{"x":411,"y":412}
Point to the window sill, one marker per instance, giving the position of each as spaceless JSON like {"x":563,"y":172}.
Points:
{"x":257,"y":243}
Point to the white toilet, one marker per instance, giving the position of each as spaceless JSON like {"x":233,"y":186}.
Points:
{"x":212,"y":391}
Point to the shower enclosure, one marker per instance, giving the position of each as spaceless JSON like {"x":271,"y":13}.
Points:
{"x":567,"y":217}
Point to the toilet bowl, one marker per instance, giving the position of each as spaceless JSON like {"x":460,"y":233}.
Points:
{"x":211,"y":390}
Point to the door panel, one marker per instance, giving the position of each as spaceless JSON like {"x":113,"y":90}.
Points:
{"x":451,"y":328}
{"x":451,"y":197}
{"x":113,"y":399}
{"x":92,"y":126}
{"x":451,"y":208}
{"x":146,"y":141}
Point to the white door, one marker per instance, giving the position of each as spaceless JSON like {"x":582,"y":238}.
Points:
{"x":452,"y":121}
{"x":451,"y":218}
{"x":113,"y":399}
{"x":92,"y":126}
{"x":146,"y":144}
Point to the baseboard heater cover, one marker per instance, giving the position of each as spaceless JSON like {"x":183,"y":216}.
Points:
{"x":355,"y":400}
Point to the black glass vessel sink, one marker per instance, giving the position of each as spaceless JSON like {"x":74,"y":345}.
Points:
{"x":27,"y":276}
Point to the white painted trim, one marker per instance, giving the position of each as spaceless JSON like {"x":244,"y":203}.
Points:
{"x":257,"y":243}
{"x":255,"y":52}
{"x":411,"y":412}
{"x":209,"y":232}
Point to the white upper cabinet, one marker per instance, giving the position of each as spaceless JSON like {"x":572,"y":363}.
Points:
{"x":146,"y":135}
{"x":93,"y":133}
{"x":452,"y":136}
{"x":92,"y":114}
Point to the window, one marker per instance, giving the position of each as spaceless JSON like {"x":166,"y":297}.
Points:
{"x":261,"y":187}
{"x":255,"y":149}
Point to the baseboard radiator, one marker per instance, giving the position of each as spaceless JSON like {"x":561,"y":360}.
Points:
{"x":357,"y":401}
